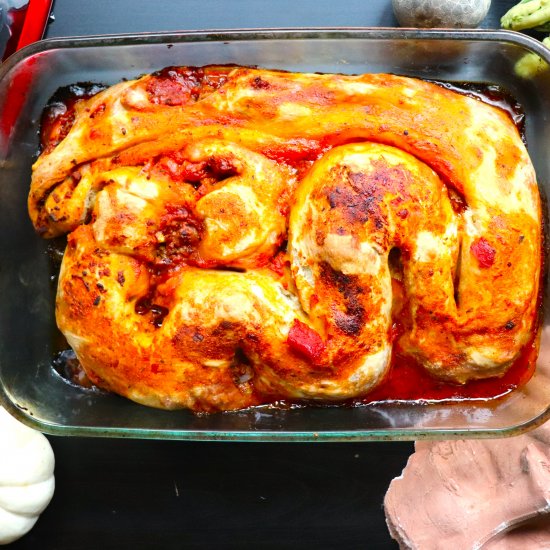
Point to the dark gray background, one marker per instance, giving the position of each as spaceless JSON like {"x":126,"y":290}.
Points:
{"x":153,"y":494}
{"x":81,"y":17}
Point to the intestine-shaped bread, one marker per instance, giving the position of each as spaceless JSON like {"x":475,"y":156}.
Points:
{"x":240,"y":235}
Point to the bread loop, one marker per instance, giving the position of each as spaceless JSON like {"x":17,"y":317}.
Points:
{"x":358,"y":204}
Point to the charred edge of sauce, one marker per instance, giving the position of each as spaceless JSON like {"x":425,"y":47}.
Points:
{"x":492,"y":94}
{"x":59,"y":113}
{"x":211,"y":69}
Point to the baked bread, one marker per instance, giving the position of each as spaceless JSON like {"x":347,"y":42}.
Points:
{"x":238,"y":236}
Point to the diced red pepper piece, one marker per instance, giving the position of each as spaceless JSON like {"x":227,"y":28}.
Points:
{"x":306,"y":342}
{"x":484,"y":252}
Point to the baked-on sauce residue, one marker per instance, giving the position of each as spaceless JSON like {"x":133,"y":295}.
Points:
{"x":406,"y":379}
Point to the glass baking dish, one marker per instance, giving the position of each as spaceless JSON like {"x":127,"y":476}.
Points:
{"x":29,"y":386}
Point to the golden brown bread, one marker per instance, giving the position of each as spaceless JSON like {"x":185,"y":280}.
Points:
{"x":179,"y":191}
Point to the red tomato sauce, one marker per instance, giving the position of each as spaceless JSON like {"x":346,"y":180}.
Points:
{"x":409,"y":381}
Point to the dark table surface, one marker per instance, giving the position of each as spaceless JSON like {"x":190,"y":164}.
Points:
{"x":162,"y":494}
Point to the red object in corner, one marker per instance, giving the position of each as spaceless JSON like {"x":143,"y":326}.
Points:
{"x":306,"y":342}
{"x":36,"y":19}
{"x":30,"y":30}
{"x":27,"y":24}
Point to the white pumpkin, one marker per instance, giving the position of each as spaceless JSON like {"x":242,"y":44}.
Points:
{"x":26,"y":477}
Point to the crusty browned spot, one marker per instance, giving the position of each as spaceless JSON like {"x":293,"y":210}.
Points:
{"x":361,"y":196}
{"x":351,"y":320}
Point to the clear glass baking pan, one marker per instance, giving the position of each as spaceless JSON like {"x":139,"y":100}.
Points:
{"x":32,"y":390}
